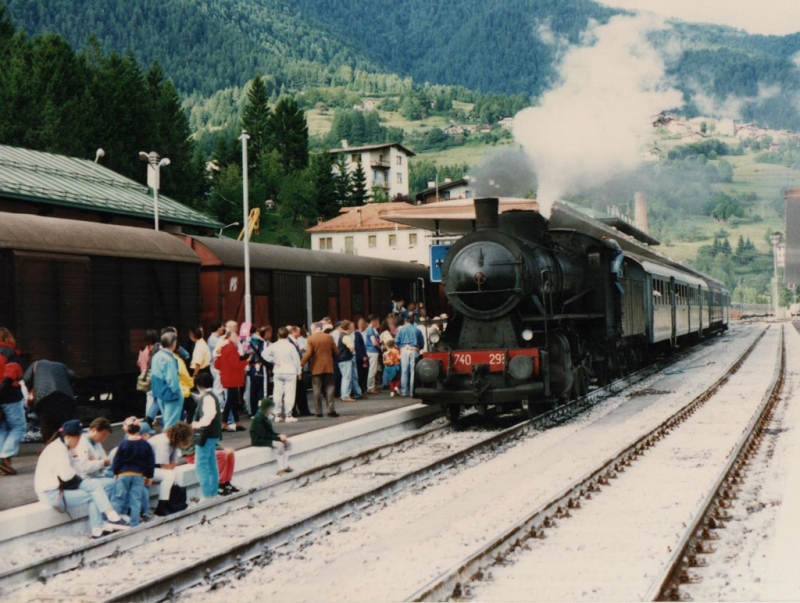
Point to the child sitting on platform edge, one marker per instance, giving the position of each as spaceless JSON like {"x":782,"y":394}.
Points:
{"x":262,"y":433}
{"x":133,"y":465}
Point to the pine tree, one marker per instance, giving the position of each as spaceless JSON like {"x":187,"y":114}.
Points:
{"x":342,"y":181}
{"x":327,"y":204}
{"x":256,"y":121}
{"x":289,"y":132}
{"x":358,"y":187}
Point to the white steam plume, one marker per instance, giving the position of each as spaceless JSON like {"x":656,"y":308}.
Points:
{"x":591,"y":126}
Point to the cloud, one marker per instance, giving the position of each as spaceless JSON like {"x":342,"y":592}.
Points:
{"x":590,"y":127}
{"x":775,"y":17}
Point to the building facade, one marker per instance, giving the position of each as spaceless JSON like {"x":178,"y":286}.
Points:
{"x":362,"y":231}
{"x":384,"y":165}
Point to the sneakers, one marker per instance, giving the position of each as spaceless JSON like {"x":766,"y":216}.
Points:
{"x":116,"y":526}
{"x":233,"y":489}
{"x":99,"y":533}
{"x":291,"y":420}
{"x":333,"y":414}
{"x":240,"y":428}
{"x":226,"y":489}
{"x":373,"y":391}
{"x":348,"y":399}
{"x":278,"y":420}
{"x":391,"y":394}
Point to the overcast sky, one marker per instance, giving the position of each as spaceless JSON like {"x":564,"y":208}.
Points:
{"x":756,"y":16}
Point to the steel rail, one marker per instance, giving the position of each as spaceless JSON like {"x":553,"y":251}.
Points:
{"x":87,"y":552}
{"x":80,"y":556}
{"x":666,"y":586}
{"x":234,"y":557}
{"x":450,"y":583}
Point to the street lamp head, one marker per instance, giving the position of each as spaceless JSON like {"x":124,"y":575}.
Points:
{"x":144,"y":156}
{"x":164,"y":162}
{"x":100,"y":153}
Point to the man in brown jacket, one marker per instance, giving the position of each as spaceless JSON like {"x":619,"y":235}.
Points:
{"x":321,"y":352}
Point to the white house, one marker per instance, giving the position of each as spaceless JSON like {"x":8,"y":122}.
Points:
{"x":362,"y":231}
{"x":384,"y":165}
{"x":463,"y":188}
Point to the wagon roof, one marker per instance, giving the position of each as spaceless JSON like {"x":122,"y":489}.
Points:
{"x":57,"y":235}
{"x":229,"y":252}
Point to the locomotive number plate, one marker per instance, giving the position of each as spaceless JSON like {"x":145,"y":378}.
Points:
{"x":464,"y":361}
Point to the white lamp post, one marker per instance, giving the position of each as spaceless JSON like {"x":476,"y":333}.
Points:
{"x":100,"y":153}
{"x":248,"y":311}
{"x":219,"y":236}
{"x":156,"y":162}
{"x":775,"y":239}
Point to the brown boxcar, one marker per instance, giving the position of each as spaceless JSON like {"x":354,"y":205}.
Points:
{"x":296,"y":286}
{"x":85,"y":293}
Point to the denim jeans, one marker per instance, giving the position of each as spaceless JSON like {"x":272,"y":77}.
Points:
{"x":408,"y":359}
{"x":346,"y":370}
{"x":205,"y":464}
{"x":357,"y":393}
{"x":128,"y":494}
{"x":12,"y":429}
{"x":73,"y":499}
{"x":171,"y":412}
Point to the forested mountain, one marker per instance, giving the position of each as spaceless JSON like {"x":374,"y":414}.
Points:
{"x":204,"y":45}
{"x":207,"y":45}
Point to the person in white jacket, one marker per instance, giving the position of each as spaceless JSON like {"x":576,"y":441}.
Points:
{"x":58,"y":484}
{"x":286,"y":372}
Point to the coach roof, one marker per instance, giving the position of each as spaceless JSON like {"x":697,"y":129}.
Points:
{"x":57,"y":235}
{"x":229,"y":252}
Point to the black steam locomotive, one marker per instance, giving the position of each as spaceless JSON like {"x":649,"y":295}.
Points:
{"x":539,"y":313}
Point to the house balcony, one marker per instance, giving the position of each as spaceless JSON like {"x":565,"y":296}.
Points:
{"x":380,"y":163}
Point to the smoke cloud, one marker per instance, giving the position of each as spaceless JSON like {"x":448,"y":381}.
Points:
{"x":592,"y":126}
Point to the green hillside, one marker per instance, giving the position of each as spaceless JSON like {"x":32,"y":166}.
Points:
{"x":509,"y":47}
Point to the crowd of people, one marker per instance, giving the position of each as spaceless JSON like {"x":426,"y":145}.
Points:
{"x":200,"y":395}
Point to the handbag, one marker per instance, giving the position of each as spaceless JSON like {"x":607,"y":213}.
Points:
{"x":200,"y":436}
{"x":143,"y":382}
{"x":71,"y":484}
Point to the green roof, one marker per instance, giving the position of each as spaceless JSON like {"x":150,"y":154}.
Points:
{"x":79,"y":183}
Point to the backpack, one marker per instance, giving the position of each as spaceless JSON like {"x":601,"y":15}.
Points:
{"x":177,"y":499}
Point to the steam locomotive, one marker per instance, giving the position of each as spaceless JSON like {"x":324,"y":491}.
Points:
{"x":540,"y":313}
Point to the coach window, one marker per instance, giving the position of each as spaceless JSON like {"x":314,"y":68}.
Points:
{"x":373,"y":241}
{"x":349,"y":246}
{"x":392,"y":240}
{"x":412,"y":239}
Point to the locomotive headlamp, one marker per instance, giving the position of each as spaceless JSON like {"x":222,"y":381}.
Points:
{"x":521,"y":367}
{"x":527,"y":335}
{"x":434,"y":337}
{"x":427,"y":370}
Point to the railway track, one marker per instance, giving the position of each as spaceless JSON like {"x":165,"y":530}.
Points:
{"x":516,"y":561}
{"x":232,"y":554}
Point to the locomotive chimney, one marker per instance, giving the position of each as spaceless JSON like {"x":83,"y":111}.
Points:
{"x":486,"y":211}
{"x":640,"y":211}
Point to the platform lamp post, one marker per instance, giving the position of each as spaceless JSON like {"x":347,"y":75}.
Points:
{"x":248,"y":310}
{"x":775,"y":239}
{"x":156,"y":162}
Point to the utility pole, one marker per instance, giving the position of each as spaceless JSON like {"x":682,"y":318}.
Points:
{"x":248,"y":310}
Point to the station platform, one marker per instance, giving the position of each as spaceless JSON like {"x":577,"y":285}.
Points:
{"x":17,"y":490}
